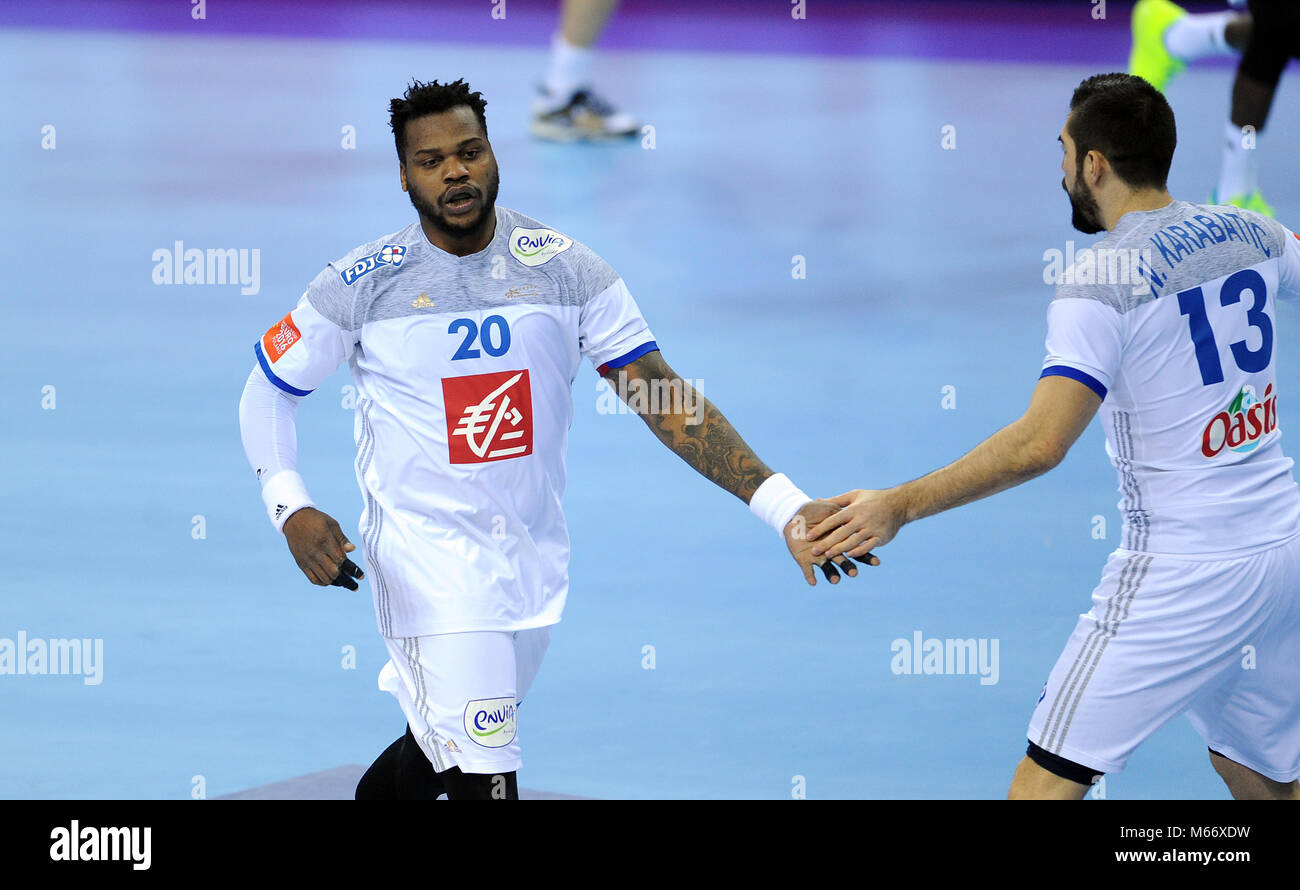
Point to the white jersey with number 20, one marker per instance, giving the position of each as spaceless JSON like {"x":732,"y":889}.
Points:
{"x":464,"y":368}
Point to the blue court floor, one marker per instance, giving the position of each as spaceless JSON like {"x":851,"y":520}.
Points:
{"x":134,"y":519}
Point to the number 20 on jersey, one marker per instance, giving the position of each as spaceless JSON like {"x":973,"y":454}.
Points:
{"x":492,"y":337}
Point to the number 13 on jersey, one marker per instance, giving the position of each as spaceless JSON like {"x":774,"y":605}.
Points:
{"x":1191,"y":303}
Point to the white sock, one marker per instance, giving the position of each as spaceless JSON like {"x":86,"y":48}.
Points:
{"x":569,"y":69}
{"x":1238,"y":173}
{"x":1199,"y":36}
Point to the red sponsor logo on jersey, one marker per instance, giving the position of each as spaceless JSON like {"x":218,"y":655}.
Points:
{"x":1241,"y":427}
{"x":489,"y":416}
{"x":280,"y":337}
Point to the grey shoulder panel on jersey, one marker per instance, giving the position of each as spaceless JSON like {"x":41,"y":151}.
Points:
{"x":1167,"y":251}
{"x":327,"y":296}
{"x":1099,"y":273}
{"x":1200,"y":242}
{"x":344,"y":288}
{"x":527,"y":262}
{"x":593,"y":273}
{"x":587,"y":268}
{"x":1275,"y":228}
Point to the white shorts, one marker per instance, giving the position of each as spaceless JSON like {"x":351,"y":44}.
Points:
{"x":1218,"y":640}
{"x":460,"y":693}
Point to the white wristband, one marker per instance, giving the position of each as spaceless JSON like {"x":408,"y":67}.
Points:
{"x":776,"y":501}
{"x":284,"y":494}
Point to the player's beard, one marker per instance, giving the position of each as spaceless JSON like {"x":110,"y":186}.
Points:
{"x":1085,"y":215}
{"x":430,"y":213}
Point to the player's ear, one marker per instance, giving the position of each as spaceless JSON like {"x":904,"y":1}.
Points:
{"x":1093,"y":165}
{"x":401,"y":168}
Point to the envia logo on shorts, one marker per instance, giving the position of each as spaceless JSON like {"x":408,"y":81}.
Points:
{"x":388,"y":255}
{"x":532,"y":247}
{"x":490,"y":722}
{"x":1241,"y":427}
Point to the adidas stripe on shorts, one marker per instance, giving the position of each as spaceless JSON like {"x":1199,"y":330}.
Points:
{"x":1217,"y":639}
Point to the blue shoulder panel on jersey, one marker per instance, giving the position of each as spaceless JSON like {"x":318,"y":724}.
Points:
{"x":1075,"y":374}
{"x":628,"y":357}
{"x":270,"y":375}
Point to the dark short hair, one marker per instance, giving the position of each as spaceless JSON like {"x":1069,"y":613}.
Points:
{"x":421,"y":99}
{"x":1129,"y":122}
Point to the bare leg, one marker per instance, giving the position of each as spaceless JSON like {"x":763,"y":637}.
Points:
{"x":1237,"y":34}
{"x":568,"y":107}
{"x":1246,"y":784}
{"x":1032,"y":782}
{"x":583,"y":20}
{"x":1251,"y":101}
{"x":1252,"y":98}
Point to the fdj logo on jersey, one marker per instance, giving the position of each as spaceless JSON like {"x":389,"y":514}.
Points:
{"x":388,"y":255}
{"x":491,"y":722}
{"x":1243,"y":425}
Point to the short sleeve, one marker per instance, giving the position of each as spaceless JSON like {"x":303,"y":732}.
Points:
{"x":1288,"y":273}
{"x":611,"y":330}
{"x":305,"y":347}
{"x":1084,"y":342}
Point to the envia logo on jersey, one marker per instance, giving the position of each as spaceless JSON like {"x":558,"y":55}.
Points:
{"x":532,"y":247}
{"x":1240,"y":428}
{"x":388,"y":255}
{"x":490,"y":722}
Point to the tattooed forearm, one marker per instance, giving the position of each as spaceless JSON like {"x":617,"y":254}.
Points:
{"x":713,"y":448}
{"x":690,"y":425}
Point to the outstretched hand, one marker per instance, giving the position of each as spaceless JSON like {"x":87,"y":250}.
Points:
{"x":797,"y":538}
{"x":321,"y":549}
{"x":868,"y":519}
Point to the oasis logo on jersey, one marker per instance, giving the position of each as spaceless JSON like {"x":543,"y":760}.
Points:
{"x":532,"y":247}
{"x":388,"y":255}
{"x":1240,"y":428}
{"x":490,"y":722}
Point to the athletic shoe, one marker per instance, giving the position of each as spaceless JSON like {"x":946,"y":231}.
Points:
{"x":1149,"y":59}
{"x":1254,"y":201}
{"x":583,"y":115}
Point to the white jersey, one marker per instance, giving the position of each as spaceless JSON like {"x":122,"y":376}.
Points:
{"x":1170,"y":319}
{"x":464,"y":368}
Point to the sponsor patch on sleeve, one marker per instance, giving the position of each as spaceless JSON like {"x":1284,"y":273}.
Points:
{"x":388,"y":255}
{"x":280,"y":337}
